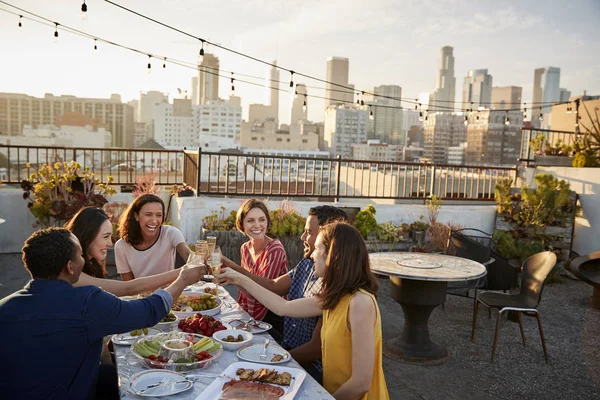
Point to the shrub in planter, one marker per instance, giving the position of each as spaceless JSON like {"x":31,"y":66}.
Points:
{"x":186,"y":191}
{"x":365,"y":221}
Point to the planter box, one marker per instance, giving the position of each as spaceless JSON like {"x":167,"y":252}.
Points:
{"x":375,"y":246}
{"x":230,"y":243}
{"x":554,"y":161}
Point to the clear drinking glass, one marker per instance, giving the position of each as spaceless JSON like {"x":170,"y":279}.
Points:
{"x":202,"y":248}
{"x":215,"y":264}
{"x":212,"y":243}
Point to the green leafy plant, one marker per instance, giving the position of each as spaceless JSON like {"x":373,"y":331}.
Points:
{"x":433,"y":206}
{"x":55,"y":192}
{"x":587,"y":146}
{"x":541,"y":146}
{"x":509,"y":246}
{"x":419,"y":226}
{"x":391,"y":233}
{"x":365,"y":221}
{"x":286,"y":220}
{"x":220,"y":220}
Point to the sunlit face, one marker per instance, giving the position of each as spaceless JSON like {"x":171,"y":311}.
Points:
{"x":255,"y":224}
{"x":101,"y":243}
{"x":150,"y":218}
{"x":311,"y":230}
{"x":77,"y":262}
{"x":319,"y":256}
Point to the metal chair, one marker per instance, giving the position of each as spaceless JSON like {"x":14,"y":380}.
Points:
{"x":535,"y":270}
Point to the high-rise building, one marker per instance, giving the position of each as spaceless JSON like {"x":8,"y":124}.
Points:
{"x":208,"y":79}
{"x":443,"y":96}
{"x":299,"y":105}
{"x":17,"y":110}
{"x":412,"y":127}
{"x":135,"y":104}
{"x":546,"y":90}
{"x":337,"y":73}
{"x":272,"y":85}
{"x":194,"y":92}
{"x":440,"y":131}
{"x":564,"y":95}
{"x":146,"y":105}
{"x":345,"y":125}
{"x":490,"y":140}
{"x":506,"y":97}
{"x":386,"y":124}
{"x":214,"y":125}
{"x":377,"y":151}
{"x":477,"y":89}
{"x":266,"y":135}
{"x":456,"y":154}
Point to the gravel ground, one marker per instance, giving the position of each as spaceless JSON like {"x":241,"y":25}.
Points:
{"x":571,"y":328}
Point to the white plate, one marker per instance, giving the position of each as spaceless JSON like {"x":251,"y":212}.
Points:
{"x":213,"y":392}
{"x":143,"y":379}
{"x":212,"y":311}
{"x":252,"y":352}
{"x":262,"y":326}
{"x":127,"y":339}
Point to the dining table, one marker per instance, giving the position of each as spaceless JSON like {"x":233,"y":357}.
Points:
{"x":418,"y":282}
{"x":128,"y":364}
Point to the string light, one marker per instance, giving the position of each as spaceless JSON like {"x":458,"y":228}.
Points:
{"x":357,"y":98}
{"x":292,"y":79}
{"x":232,"y":87}
{"x":371,"y":116}
{"x":362,"y":102}
{"x":201,"y":54}
{"x":541,"y":117}
{"x":416,"y":100}
{"x":96,"y":44}
{"x":164,"y":62}
{"x":149,"y":64}
{"x":466,"y":120}
{"x":421,"y":116}
{"x":506,"y":120}
{"x":20,"y":24}
{"x":55,"y":32}
{"x":524,"y":110}
{"x":84,"y":11}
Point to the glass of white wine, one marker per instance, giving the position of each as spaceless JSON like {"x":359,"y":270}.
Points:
{"x":215,"y":265}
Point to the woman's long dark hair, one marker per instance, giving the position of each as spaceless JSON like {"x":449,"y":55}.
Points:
{"x":129,"y":227}
{"x":86,"y":225}
{"x":348,"y":268}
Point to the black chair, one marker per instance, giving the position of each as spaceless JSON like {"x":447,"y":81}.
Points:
{"x":534,"y":272}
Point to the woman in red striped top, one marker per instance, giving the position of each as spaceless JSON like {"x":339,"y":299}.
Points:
{"x":261,"y":255}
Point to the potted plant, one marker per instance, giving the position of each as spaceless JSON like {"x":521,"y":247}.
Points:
{"x":390,"y":235}
{"x":55,"y":192}
{"x":418,"y":230}
{"x":559,"y":154}
{"x":186,"y":191}
{"x":587,"y":146}
{"x":365,"y":222}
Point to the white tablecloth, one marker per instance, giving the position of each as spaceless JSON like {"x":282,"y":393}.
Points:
{"x":128,"y":365}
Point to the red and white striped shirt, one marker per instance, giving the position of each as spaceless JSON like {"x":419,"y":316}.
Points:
{"x":271,"y":263}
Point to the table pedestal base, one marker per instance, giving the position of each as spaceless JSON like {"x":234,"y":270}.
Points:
{"x":417,"y":299}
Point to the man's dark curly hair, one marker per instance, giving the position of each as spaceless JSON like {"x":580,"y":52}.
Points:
{"x":47,"y":251}
{"x":326,"y":214}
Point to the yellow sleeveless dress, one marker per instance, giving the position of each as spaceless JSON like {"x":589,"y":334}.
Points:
{"x":336,"y":344}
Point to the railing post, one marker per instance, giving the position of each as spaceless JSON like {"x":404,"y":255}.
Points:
{"x":74,"y":155}
{"x":432,"y":183}
{"x":198,"y":171}
{"x":339,"y":174}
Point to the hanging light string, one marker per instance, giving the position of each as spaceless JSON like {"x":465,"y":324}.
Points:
{"x":206,"y":69}
{"x":343,"y":87}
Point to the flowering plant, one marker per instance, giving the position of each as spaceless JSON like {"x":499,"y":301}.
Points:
{"x":286,"y":220}
{"x":55,"y":192}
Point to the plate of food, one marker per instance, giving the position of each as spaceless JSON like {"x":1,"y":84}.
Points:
{"x":177,"y":351}
{"x":275,"y":354}
{"x":252,"y":326}
{"x":204,"y":325}
{"x":241,"y":379}
{"x":128,"y":338}
{"x":169,"y":320}
{"x":211,"y":288}
{"x":190,"y":303}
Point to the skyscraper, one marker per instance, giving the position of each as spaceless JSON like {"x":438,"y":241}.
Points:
{"x":564,"y":95}
{"x":386,"y":125}
{"x":344,"y":126}
{"x":337,"y":73}
{"x":506,"y":97}
{"x":477,"y":89}
{"x":546,"y":89}
{"x":444,"y":94}
{"x":208,"y":79}
{"x":440,"y":131}
{"x":273,"y":91}
{"x":194,"y":93}
{"x":299,"y":110}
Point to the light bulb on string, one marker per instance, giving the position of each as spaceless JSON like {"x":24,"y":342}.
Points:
{"x":371,"y":116}
{"x":20,"y":24}
{"x":421,"y":116}
{"x":84,"y":11}
{"x":507,"y":121}
{"x":362,"y":101}
{"x":292,"y":81}
{"x":466,"y":120}
{"x":149,"y":64}
{"x":201,"y":53}
{"x":56,"y":32}
{"x":357,"y":98}
{"x":416,"y":100}
{"x":541,"y":117}
{"x":524,"y":110}
{"x":164,"y":62}
{"x":232,"y":86}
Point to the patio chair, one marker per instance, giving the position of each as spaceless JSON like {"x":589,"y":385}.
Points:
{"x":473,"y":246}
{"x":534,"y":272}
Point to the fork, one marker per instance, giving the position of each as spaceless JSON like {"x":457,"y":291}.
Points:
{"x":162,"y":382}
{"x":263,"y":356}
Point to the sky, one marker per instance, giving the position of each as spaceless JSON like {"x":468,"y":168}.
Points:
{"x":388,"y":42}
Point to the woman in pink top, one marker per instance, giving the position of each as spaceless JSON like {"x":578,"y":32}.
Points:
{"x":261,"y":255}
{"x":147,"y":247}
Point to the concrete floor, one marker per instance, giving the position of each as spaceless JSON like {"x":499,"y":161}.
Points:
{"x":571,"y":327}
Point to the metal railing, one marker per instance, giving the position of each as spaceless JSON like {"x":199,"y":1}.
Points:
{"x":236,"y":174}
{"x":231,"y":174}
{"x":124,"y":165}
{"x":551,"y":137}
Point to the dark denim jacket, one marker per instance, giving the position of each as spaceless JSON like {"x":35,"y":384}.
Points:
{"x":51,"y":336}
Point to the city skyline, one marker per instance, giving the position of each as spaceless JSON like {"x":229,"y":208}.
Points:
{"x":299,"y":39}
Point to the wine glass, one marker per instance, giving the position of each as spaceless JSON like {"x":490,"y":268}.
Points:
{"x":215,"y":265}
{"x":202,"y":249}
{"x":212,"y":243}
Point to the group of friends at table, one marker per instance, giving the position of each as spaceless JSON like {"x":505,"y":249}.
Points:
{"x":324,"y":311}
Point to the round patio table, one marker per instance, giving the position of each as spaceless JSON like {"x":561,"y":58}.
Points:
{"x":418,"y":283}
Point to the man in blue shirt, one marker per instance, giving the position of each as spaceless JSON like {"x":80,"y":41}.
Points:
{"x":51,"y":332}
{"x":302,"y":336}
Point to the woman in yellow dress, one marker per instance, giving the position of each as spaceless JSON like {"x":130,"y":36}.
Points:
{"x":351,"y":332}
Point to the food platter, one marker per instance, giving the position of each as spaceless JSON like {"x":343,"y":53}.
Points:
{"x":215,"y":390}
{"x":182,"y":310}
